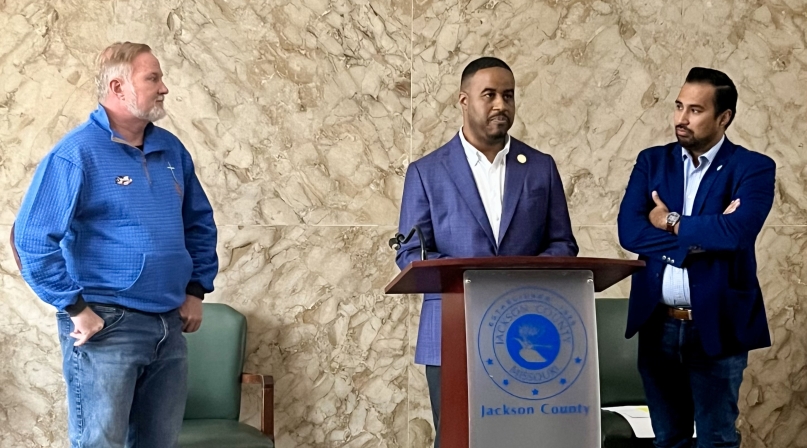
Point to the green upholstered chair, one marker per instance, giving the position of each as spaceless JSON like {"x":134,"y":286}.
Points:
{"x":215,"y":363}
{"x":620,"y":383}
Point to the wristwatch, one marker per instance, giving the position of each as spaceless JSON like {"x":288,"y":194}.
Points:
{"x":672,"y":220}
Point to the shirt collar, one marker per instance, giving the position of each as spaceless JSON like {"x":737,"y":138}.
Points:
{"x":475,"y":156}
{"x":100,"y":117}
{"x":708,"y":156}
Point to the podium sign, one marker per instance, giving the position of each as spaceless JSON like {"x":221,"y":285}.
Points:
{"x":519,"y":347}
{"x":532,"y":359}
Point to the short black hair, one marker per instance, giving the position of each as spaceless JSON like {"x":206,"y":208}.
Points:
{"x":725,"y":91}
{"x":481,"y":64}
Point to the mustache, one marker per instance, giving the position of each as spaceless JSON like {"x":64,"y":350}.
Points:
{"x":500,"y":114}
{"x":683,"y":128}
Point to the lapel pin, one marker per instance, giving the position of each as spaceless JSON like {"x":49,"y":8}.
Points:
{"x":718,"y":168}
{"x":123,"y":180}
{"x":521,"y":158}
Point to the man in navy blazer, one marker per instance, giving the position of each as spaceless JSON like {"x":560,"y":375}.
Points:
{"x":692,"y":211}
{"x":482,"y":194}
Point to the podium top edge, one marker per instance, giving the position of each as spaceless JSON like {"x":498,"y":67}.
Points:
{"x":433,"y":276}
{"x":518,"y":262}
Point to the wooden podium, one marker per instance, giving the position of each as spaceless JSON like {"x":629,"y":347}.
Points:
{"x":449,"y":276}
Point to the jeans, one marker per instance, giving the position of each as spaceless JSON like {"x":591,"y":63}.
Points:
{"x":683,"y":384}
{"x":127,"y":385}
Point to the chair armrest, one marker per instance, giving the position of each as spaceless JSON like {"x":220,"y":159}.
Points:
{"x":268,"y":404}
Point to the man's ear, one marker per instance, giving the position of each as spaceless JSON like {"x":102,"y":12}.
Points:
{"x":116,"y":88}
{"x":463,"y":99}
{"x":724,"y":118}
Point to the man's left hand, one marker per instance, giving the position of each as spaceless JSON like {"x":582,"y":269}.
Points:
{"x":658,"y":216}
{"x":191,"y":313}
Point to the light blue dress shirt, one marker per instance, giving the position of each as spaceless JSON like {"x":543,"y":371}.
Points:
{"x":675,"y":288}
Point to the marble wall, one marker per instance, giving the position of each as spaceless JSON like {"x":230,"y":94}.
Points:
{"x":302,"y":117}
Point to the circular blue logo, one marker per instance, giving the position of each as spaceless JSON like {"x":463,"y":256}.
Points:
{"x":532,"y":343}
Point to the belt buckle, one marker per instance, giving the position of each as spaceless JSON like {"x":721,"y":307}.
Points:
{"x":688,"y":312}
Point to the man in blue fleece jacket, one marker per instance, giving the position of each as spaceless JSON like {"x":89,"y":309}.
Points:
{"x":116,"y":233}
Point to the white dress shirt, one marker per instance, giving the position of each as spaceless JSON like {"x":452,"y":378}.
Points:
{"x":675,"y":288}
{"x":489,"y":178}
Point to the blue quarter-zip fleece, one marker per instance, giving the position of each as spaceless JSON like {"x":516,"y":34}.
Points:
{"x":115,"y":224}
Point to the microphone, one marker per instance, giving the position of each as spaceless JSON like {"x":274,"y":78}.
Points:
{"x":395,"y":242}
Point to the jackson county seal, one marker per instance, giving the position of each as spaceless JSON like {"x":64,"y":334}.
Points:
{"x":532,"y":343}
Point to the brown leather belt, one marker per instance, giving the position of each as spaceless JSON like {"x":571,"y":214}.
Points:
{"x":678,"y":313}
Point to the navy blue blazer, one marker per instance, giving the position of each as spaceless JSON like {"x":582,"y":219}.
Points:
{"x":440,"y":195}
{"x":717,"y":249}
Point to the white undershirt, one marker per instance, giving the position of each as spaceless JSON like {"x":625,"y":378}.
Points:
{"x":489,"y":178}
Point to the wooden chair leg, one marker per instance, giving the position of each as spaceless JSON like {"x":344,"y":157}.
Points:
{"x":268,"y":400}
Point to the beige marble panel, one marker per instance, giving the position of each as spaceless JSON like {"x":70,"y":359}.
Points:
{"x":306,"y":107}
{"x":603,"y":242}
{"x":594,"y":83}
{"x":772,"y":405}
{"x":45,"y":90}
{"x":762,"y":46}
{"x":295,"y":112}
{"x":299,"y":115}
{"x":421,"y":424}
{"x":321,"y":325}
{"x":32,"y":395}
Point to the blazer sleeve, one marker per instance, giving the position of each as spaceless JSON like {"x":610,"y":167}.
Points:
{"x":739,"y":229}
{"x":560,"y":238}
{"x":415,"y":210}
{"x":636,"y":233}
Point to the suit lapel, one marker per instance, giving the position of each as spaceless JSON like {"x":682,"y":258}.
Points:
{"x":514,"y":176}
{"x":460,"y":174}
{"x":713,"y":172}
{"x":673,"y":193}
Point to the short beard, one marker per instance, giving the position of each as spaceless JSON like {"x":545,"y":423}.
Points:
{"x":691,"y":143}
{"x":151,"y":115}
{"x":498,"y":136}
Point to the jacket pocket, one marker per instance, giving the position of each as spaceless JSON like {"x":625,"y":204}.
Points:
{"x":161,"y":273}
{"x":539,"y":192}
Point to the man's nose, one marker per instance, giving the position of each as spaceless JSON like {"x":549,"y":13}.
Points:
{"x":498,"y":102}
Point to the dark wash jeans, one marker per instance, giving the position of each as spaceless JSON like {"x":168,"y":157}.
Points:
{"x":683,"y":384}
{"x":127,"y":385}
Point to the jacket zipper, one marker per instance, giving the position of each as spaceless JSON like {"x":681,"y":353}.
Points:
{"x":143,"y":157}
